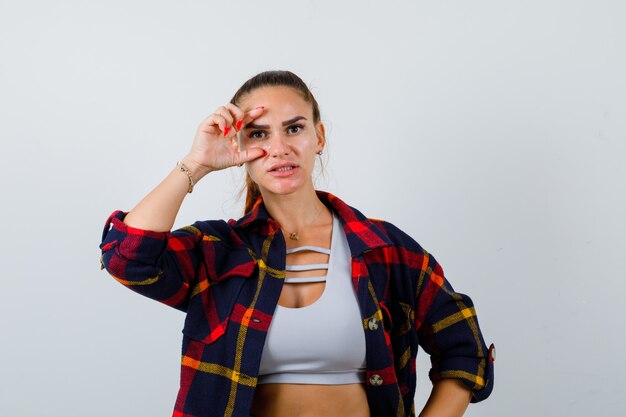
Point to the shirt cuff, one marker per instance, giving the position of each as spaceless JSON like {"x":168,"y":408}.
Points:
{"x":133,"y":244}
{"x":475,"y":373}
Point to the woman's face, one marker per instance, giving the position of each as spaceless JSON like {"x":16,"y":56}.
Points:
{"x":287,"y":132}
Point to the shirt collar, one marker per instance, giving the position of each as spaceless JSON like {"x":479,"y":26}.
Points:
{"x":362,"y":233}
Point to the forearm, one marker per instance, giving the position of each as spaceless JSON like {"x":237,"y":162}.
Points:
{"x":449,"y":398}
{"x":157,"y":211}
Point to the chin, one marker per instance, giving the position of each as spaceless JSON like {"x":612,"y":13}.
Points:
{"x":283,"y":188}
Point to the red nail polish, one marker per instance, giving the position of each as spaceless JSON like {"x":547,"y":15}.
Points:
{"x":239,"y":123}
{"x":260,"y":107}
{"x":226,"y":130}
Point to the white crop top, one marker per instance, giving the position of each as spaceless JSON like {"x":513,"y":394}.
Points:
{"x":324,"y":342}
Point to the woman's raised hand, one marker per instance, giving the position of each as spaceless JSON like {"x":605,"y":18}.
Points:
{"x":214,"y":147}
{"x":215,"y":144}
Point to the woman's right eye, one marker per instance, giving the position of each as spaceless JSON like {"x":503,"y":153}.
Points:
{"x":257,"y":134}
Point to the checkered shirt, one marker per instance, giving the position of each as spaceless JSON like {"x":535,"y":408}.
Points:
{"x":228,"y":276}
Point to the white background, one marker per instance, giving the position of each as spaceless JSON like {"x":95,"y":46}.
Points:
{"x":493,"y":132}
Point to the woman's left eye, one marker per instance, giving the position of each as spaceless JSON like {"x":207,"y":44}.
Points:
{"x":295,"y":128}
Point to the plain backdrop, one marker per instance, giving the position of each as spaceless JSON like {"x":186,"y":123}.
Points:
{"x":493,"y":132}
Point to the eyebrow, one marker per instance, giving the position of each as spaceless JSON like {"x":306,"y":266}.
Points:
{"x":285,"y":123}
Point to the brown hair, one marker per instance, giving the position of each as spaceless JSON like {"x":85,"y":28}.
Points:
{"x":273,"y":79}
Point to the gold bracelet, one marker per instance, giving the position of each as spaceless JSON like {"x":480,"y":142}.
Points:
{"x":184,"y":169}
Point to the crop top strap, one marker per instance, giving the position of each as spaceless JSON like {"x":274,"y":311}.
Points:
{"x":303,"y":280}
{"x":310,"y":248}
{"x":306,"y":267}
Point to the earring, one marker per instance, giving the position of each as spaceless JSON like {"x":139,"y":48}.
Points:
{"x":319,"y":152}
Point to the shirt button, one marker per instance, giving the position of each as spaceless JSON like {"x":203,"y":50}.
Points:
{"x":372,"y":324}
{"x":376,"y":380}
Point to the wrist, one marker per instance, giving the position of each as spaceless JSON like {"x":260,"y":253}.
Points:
{"x":197,"y":170}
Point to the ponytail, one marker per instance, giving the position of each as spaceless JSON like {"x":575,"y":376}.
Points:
{"x":252,"y":193}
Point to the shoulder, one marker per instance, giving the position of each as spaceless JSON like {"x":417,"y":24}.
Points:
{"x":397,"y":236}
{"x":214,"y":231}
{"x":372,"y":233}
{"x":219,"y":228}
{"x":405,"y":249}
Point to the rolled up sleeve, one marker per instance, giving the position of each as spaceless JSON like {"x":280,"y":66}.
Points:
{"x":159,"y":265}
{"x":448,"y":330}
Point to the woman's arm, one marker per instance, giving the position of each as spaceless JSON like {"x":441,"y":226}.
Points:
{"x":138,"y":248}
{"x":449,"y":398}
{"x":448,"y":331}
{"x":157,"y":211}
{"x":214,"y":148}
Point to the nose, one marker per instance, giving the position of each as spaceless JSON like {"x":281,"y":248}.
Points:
{"x":278,"y":145}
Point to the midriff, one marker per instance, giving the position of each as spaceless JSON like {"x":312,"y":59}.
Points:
{"x":303,"y":400}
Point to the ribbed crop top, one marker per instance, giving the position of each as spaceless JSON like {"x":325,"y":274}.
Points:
{"x":324,"y":342}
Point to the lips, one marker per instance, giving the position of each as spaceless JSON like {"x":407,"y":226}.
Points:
{"x":283,"y":170}
{"x":283,"y":167}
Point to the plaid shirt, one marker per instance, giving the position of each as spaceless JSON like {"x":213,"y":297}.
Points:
{"x":228,"y":276}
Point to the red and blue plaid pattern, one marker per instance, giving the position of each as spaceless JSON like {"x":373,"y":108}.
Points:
{"x":228,"y":276}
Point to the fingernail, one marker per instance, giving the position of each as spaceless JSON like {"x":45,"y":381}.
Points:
{"x":260,"y":107}
{"x":239,"y":123}
{"x":226,"y":130}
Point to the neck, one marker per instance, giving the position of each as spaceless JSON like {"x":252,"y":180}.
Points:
{"x":296,"y":211}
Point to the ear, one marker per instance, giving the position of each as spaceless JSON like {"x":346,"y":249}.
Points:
{"x":321,"y":135}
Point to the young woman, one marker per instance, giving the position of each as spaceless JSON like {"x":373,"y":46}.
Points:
{"x":303,"y":307}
